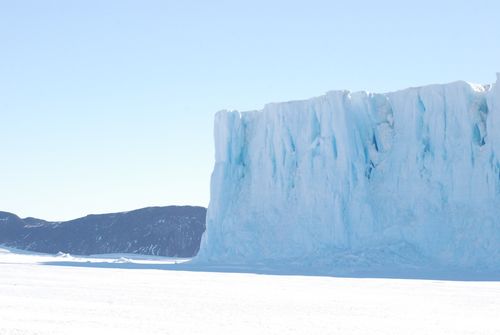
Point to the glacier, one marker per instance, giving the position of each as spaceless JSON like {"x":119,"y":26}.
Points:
{"x":410,"y":177}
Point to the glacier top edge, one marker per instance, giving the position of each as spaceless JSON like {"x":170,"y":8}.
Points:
{"x":476,"y":87}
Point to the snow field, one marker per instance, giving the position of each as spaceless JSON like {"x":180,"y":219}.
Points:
{"x":36,"y":298}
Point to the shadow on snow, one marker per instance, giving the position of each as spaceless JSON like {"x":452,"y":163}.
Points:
{"x":387,"y":273}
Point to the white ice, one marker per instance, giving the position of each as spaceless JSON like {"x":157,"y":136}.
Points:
{"x":42,"y":295}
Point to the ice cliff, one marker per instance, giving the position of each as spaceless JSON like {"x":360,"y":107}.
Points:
{"x":408,"y":176}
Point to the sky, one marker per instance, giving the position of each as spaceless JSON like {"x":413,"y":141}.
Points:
{"x":108,"y":105}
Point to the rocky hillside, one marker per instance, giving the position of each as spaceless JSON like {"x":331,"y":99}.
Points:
{"x":164,"y":231}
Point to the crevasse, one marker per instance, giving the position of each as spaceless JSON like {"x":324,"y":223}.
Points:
{"x":412,"y":175}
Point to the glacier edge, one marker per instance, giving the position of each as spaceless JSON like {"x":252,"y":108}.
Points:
{"x":411,"y":176}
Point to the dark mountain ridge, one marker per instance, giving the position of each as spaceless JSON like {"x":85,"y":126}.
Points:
{"x":173,"y":231}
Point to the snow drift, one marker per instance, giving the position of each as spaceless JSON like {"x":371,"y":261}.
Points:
{"x":409,"y":176}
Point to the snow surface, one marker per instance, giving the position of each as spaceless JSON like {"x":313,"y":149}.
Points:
{"x":409,"y":178}
{"x":41,"y":294}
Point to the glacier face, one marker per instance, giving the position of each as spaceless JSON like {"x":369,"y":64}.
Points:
{"x":412,"y":175}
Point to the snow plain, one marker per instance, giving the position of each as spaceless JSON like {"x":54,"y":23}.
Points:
{"x":121,"y":294}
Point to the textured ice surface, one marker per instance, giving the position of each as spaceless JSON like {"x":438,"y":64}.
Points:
{"x":360,"y":178}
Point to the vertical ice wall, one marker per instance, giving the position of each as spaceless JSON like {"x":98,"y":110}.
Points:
{"x":416,"y":169}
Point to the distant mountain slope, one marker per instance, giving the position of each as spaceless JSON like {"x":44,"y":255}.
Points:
{"x":165,"y":231}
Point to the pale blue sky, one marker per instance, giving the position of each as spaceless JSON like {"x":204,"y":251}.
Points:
{"x":108,"y":105}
